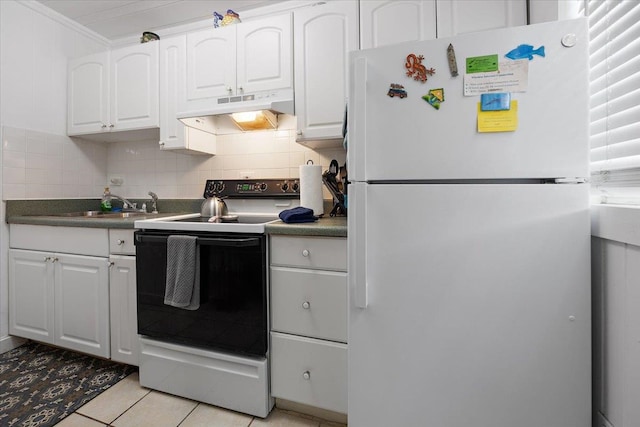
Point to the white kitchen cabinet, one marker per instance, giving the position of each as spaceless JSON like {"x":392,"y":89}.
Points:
{"x":465,"y":16}
{"x":59,"y":286}
{"x":61,"y":299}
{"x":114,"y":91}
{"x":309,"y":321}
{"x":174,"y":135}
{"x":249,"y":57}
{"x":125,"y":344}
{"x":324,"y":34}
{"x":88,"y":94}
{"x":389,"y":22}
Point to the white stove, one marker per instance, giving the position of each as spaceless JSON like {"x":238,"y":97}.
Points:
{"x":251,"y":203}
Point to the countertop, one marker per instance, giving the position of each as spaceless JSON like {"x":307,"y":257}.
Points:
{"x":47,"y":212}
{"x":326,"y":227}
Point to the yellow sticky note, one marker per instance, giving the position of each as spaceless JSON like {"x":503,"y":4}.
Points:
{"x":498,"y":121}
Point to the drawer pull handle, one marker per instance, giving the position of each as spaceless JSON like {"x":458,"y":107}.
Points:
{"x":306,"y":305}
{"x":306,"y":375}
{"x":120,"y":242}
{"x":305,"y":253}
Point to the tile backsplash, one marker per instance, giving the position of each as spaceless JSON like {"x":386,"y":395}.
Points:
{"x":40,"y":165}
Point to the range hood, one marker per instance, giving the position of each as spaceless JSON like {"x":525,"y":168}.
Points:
{"x":223,"y":114}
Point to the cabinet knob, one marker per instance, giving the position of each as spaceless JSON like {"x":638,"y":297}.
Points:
{"x":306,"y":375}
{"x":111,"y":126}
{"x":46,"y":259}
{"x":110,"y":263}
{"x":229,"y":90}
{"x":299,"y":132}
{"x":161,"y":144}
{"x":305,"y":253}
{"x":103,"y":126}
{"x":240,"y":89}
{"x":54,"y":259}
{"x":120,"y":242}
{"x":306,"y":305}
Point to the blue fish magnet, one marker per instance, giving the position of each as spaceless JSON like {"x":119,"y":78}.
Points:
{"x":525,"y":51}
{"x":495,"y":101}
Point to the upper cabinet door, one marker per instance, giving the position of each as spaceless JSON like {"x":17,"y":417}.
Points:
{"x":88,"y":91}
{"x":264,"y":59}
{"x":135,"y":87}
{"x":211,"y":66}
{"x":172,"y":88}
{"x":466,"y":16}
{"x":323,"y":37}
{"x":389,"y":22}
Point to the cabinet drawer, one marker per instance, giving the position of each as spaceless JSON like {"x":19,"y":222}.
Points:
{"x":121,"y":242}
{"x":312,"y":303}
{"x":309,"y":371}
{"x":328,"y":253}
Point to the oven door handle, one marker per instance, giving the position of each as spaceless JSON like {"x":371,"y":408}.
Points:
{"x":220,"y":241}
{"x":205,"y":241}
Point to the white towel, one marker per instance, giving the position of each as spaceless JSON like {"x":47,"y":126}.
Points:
{"x":182,"y":288}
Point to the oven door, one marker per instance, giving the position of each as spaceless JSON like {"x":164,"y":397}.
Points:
{"x":232,"y":316}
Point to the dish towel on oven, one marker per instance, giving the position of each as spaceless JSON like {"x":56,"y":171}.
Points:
{"x":182,"y":288}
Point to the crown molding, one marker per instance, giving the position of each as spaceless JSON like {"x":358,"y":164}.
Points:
{"x":63,"y":20}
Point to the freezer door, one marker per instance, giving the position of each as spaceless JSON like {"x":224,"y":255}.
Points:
{"x":469,"y":306}
{"x":394,"y":138}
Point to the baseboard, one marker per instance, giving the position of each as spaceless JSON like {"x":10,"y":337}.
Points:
{"x":301,"y":408}
{"x":9,"y":343}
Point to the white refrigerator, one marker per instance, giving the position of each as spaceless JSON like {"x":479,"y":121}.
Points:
{"x":469,"y":251}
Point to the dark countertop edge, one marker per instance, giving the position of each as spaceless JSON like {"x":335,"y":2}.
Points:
{"x":44,"y":211}
{"x":324,"y":227}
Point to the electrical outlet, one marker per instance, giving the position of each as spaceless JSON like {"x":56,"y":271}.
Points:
{"x":247,"y":174}
{"x":116,"y":181}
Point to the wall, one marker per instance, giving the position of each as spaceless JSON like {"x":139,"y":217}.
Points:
{"x":267,"y":154}
{"x":34,"y":47}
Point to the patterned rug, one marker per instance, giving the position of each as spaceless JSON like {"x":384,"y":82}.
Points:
{"x":40,"y":385}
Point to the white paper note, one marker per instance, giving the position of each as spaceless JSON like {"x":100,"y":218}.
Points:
{"x":512,"y":76}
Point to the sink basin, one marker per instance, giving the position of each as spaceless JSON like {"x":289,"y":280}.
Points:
{"x":100,"y":214}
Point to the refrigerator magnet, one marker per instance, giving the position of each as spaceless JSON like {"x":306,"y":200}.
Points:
{"x":525,"y":51}
{"x":396,"y":90}
{"x":435,"y":97}
{"x":451,"y":59}
{"x":482,"y":64}
{"x":415,"y":68}
{"x":495,"y":101}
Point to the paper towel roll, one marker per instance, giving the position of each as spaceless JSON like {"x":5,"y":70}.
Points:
{"x":311,"y":188}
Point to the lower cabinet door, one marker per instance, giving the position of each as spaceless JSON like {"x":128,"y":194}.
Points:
{"x":81,"y":299}
{"x":309,"y":371}
{"x":31,"y":295}
{"x":125,"y":346}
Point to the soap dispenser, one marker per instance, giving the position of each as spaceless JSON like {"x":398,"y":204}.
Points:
{"x":105,"y":203}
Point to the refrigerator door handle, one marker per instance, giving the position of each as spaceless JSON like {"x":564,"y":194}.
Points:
{"x":357,"y":244}
{"x":356,"y":154}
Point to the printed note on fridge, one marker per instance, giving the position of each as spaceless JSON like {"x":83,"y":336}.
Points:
{"x":512,"y":76}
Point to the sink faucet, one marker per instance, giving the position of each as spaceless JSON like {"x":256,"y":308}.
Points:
{"x":154,"y":202}
{"x":127,"y":206}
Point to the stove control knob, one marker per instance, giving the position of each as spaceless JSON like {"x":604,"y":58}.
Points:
{"x":263,"y":187}
{"x":285,"y":186}
{"x":295,"y":187}
{"x":219,"y":187}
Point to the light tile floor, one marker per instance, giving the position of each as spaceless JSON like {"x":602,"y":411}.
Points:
{"x":127,"y":404}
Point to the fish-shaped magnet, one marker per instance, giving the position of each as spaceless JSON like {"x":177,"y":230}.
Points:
{"x":525,"y":51}
{"x":451,"y":58}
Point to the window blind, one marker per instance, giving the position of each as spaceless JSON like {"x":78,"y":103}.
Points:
{"x":614,"y":31}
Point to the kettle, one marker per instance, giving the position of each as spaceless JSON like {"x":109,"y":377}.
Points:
{"x":213,"y":207}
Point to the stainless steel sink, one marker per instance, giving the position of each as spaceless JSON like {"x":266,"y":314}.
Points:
{"x":100,"y":214}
